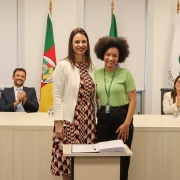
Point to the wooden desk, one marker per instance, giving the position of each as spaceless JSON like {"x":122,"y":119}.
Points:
{"x":32,"y":147}
{"x":7,"y":121}
{"x":98,"y":166}
{"x":156,"y":148}
{"x":26,"y":140}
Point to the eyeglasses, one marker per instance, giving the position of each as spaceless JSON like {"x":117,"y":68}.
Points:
{"x":178,"y":81}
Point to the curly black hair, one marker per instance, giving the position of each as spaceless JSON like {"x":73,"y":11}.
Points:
{"x":106,"y":42}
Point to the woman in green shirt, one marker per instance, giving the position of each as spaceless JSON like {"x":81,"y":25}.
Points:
{"x":116,"y":91}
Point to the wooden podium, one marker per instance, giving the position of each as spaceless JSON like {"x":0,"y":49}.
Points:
{"x":97,"y":166}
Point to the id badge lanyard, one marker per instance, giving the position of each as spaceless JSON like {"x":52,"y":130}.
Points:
{"x":107,"y":107}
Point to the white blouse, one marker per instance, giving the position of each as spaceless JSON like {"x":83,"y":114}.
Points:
{"x":168,"y":105}
{"x":66,"y":81}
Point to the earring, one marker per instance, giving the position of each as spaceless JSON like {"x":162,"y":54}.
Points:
{"x":117,"y":65}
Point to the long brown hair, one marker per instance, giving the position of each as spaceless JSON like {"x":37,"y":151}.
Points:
{"x":70,"y":48}
{"x":173,"y":92}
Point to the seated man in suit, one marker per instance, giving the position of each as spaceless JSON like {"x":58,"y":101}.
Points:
{"x":19,"y":98}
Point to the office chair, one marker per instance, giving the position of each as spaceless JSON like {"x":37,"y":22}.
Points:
{"x":0,"y":92}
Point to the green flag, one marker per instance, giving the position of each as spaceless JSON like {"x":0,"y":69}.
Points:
{"x":113,"y":29}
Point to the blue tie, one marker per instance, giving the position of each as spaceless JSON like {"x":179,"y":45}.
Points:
{"x":19,"y":106}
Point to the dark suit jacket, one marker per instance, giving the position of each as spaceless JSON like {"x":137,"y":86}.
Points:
{"x":8,"y":98}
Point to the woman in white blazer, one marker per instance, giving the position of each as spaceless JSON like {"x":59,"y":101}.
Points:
{"x":74,"y":102}
{"x":171,"y":99}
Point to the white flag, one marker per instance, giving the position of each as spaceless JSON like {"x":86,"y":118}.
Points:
{"x":174,"y":65}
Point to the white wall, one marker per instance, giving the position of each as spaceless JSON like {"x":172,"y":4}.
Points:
{"x":130,"y":19}
{"x":32,"y":26}
{"x":161,"y":27}
{"x":8,"y":41}
{"x":32,"y":14}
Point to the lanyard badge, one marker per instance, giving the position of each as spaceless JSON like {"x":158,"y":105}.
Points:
{"x":107,"y":108}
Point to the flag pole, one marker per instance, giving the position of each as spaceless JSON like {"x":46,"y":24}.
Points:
{"x":178,"y":7}
{"x":112,"y":7}
{"x":50,"y":7}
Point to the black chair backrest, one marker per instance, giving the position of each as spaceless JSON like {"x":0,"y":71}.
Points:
{"x":0,"y":92}
{"x":1,"y":89}
{"x":164,"y":90}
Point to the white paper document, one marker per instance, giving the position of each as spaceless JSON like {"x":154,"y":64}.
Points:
{"x":114,"y":146}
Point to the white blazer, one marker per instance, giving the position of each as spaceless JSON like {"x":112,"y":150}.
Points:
{"x":66,"y":81}
{"x":168,"y":105}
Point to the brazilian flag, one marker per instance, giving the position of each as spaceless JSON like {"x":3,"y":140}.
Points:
{"x":113,"y":29}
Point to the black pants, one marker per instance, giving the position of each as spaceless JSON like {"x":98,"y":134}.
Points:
{"x":107,"y":125}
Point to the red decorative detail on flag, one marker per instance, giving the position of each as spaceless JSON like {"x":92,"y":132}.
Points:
{"x":43,"y":84}
{"x":49,"y":65}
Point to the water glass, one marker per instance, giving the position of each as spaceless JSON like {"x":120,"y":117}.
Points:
{"x":175,"y":113}
{"x":50,"y":111}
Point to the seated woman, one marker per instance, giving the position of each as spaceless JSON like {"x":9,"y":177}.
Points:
{"x":171,"y":99}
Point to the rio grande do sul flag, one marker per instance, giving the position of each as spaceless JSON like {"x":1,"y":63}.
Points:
{"x":174,"y":65}
{"x":48,"y":66}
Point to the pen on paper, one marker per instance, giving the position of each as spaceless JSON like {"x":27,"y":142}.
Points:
{"x":94,"y":147}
